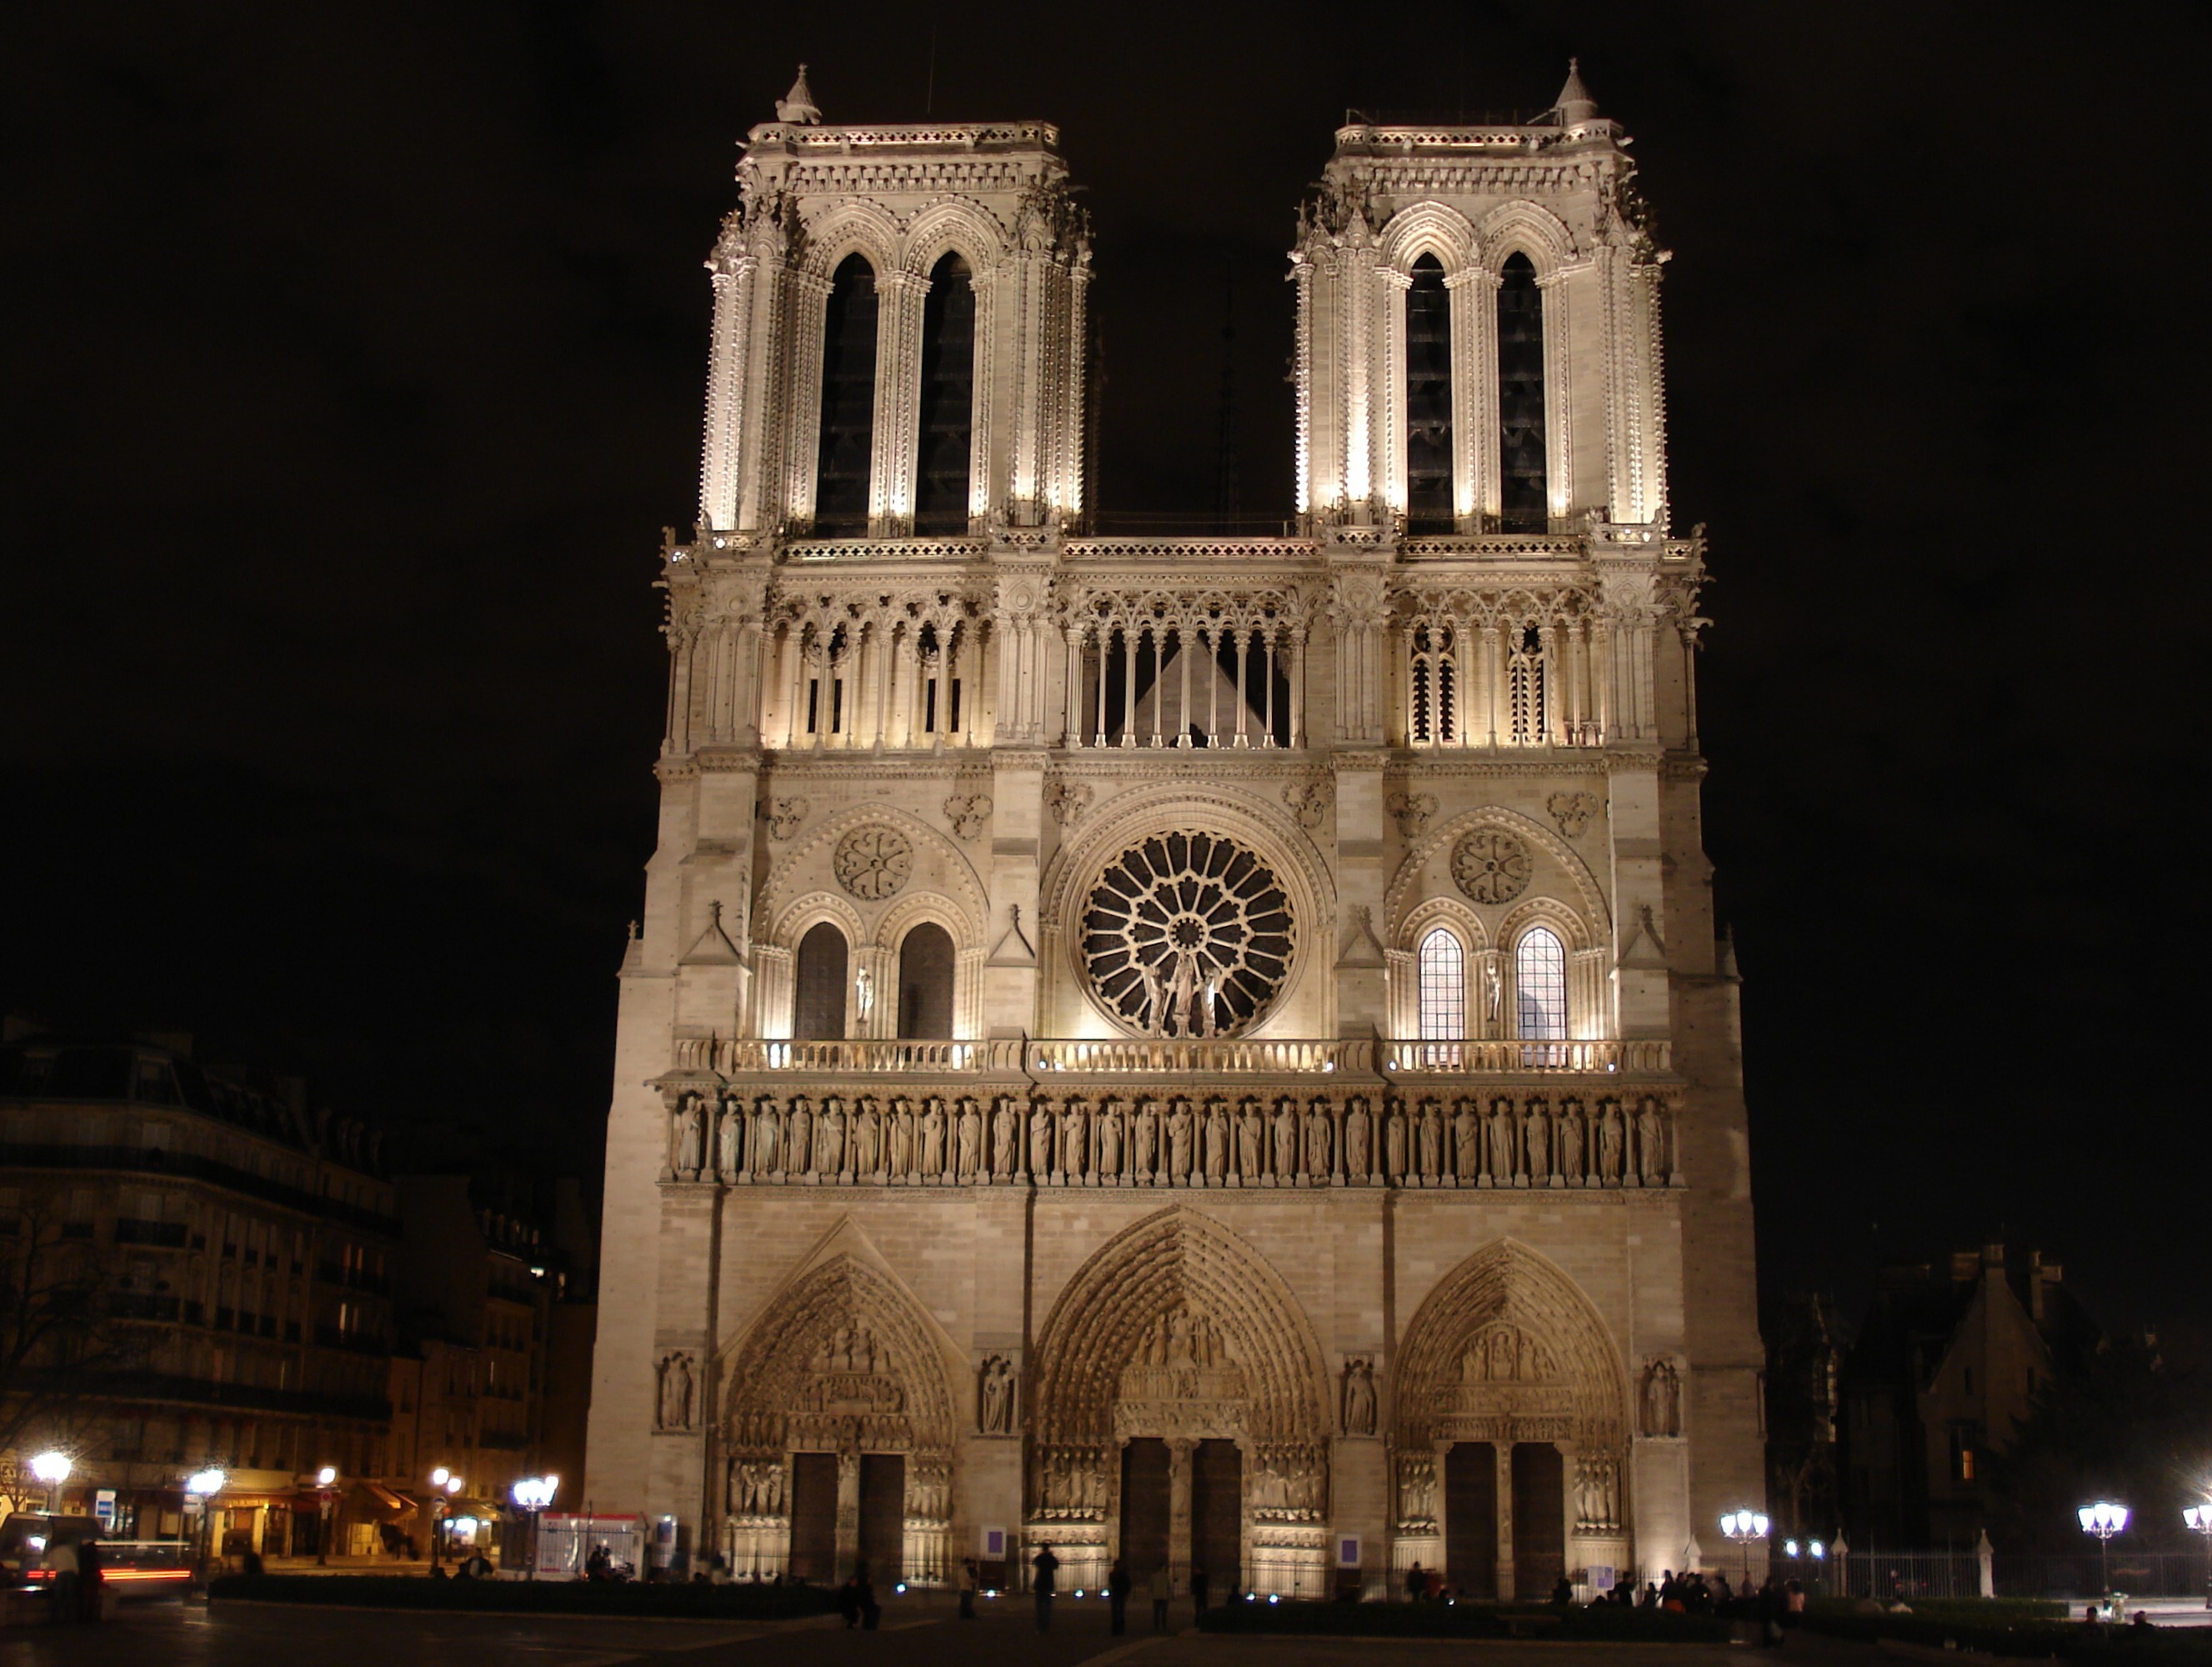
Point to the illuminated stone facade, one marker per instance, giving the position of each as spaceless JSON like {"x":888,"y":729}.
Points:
{"x":1211,"y":1049}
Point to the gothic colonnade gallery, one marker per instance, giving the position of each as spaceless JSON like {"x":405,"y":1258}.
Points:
{"x":1178,"y":1409}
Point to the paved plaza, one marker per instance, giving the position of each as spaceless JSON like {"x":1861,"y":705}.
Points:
{"x":921,"y":1633}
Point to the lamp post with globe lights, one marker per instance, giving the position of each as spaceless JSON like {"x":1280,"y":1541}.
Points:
{"x":325,"y":1490}
{"x":531,"y":1495}
{"x":2199,"y":1518}
{"x":53,"y":1470}
{"x":2103,"y":1519}
{"x":200,"y":1490}
{"x":1743,"y":1527}
{"x":448,"y":1485}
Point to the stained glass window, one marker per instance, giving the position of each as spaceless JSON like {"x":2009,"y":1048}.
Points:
{"x":1443,"y":968}
{"x":1540,"y":985}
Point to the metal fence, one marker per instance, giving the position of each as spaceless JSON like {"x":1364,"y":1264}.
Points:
{"x":1903,"y":1576}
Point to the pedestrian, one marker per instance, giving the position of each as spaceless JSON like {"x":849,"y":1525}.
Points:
{"x":849,"y":1604}
{"x":598,"y":1566}
{"x":1563,"y":1594}
{"x":1160,"y":1588}
{"x":1047,"y":1566}
{"x":1117,"y":1596}
{"x":89,"y":1578}
{"x":1417,"y":1584}
{"x":1197,"y":1589}
{"x":864,"y":1595}
{"x":62,"y":1576}
{"x":970,"y":1577}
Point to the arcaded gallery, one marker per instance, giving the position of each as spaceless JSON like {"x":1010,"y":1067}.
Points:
{"x":1207,"y":1051}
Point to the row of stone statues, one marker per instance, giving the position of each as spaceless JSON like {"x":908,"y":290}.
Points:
{"x":1284,"y":1142}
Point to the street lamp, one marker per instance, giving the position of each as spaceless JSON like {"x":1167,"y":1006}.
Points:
{"x":200,"y":1489}
{"x":531,"y":1495}
{"x":2104,"y":1520}
{"x":325,"y":1490}
{"x":2199,"y":1518}
{"x":1744,"y":1527}
{"x":53,"y":1470}
{"x":440,"y":1477}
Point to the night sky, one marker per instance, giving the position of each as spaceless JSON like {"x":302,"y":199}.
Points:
{"x":354,"y":359}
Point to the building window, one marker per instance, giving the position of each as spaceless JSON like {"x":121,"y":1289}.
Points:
{"x":848,"y":402}
{"x":1523,"y":495}
{"x":925,"y":982}
{"x":948,"y":399}
{"x":1540,"y":985}
{"x":1428,"y":400}
{"x":818,"y":1006}
{"x":1443,"y":981}
{"x":1432,"y":688}
{"x":1527,"y":687}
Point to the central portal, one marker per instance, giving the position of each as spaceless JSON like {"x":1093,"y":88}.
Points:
{"x":1147,"y":1505}
{"x":1217,"y":1514}
{"x":883,"y":1515}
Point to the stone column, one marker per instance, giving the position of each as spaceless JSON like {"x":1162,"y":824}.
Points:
{"x":1503,"y":1450}
{"x":1180,"y":1452}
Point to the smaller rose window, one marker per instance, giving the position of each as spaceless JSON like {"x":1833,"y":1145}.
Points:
{"x":873,"y":863}
{"x":1491,"y":866}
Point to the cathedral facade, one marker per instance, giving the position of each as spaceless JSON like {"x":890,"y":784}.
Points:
{"x":1212,"y":1050}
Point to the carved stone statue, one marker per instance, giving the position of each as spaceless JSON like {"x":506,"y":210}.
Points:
{"x":1608,"y":1145}
{"x":933,"y":1140}
{"x":1393,"y":1145}
{"x":1074,"y":1139}
{"x":996,"y":1395}
{"x":1536,"y":1141}
{"x":830,"y":1139}
{"x":902,"y":1140}
{"x":970,"y":1150}
{"x":867,"y":1141}
{"x":1286,"y":1143}
{"x":1662,"y":1400}
{"x":798,"y":1140}
{"x":1250,"y":1133}
{"x":768,"y":1131}
{"x":1319,"y":1139}
{"x":1651,"y":1143}
{"x":1359,"y":1397}
{"x":1217,"y":1143}
{"x":1571,"y":1142}
{"x":733,"y":1139}
{"x":1005,"y":1129}
{"x":1041,"y":1141}
{"x":1501,"y":1142}
{"x":1356,"y":1122}
{"x":1110,"y":1140}
{"x":1148,"y":1139}
{"x":689,"y":1153}
{"x":1467,"y":1145}
{"x":675,"y":1396}
{"x":1179,"y":1131}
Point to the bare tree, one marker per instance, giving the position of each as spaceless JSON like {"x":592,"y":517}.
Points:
{"x":68,"y":1328}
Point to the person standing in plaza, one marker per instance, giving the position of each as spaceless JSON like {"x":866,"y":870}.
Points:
{"x":1117,"y":1596}
{"x":969,"y":1582}
{"x":1160,"y":1588}
{"x":1048,"y":1568}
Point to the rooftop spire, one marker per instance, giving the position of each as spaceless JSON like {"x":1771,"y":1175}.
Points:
{"x":797,"y":105}
{"x":1574,"y":103}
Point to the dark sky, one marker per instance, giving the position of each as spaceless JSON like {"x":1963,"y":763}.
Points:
{"x":354,"y":357}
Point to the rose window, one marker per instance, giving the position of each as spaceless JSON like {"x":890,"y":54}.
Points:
{"x":1188,"y":934}
{"x":1491,"y":866}
{"x":873,"y":863}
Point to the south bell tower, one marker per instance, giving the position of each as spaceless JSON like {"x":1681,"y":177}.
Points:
{"x":1305,"y":1159}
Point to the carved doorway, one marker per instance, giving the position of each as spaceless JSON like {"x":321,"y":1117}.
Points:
{"x":1217,"y":1514}
{"x":1471,"y":1518}
{"x":1540,"y":1526}
{"x":814,"y":1517}
{"x":1146,"y":1506}
{"x":883,"y":1515}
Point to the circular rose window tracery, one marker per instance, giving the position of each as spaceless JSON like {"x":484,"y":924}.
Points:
{"x":1188,"y":934}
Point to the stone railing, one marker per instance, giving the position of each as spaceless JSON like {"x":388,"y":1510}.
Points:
{"x":1196,"y":548}
{"x":1508,"y":1057}
{"x":1061,"y":1058}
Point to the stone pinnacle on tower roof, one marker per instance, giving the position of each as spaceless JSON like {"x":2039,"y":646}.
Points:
{"x":797,"y":105}
{"x":1574,"y":103}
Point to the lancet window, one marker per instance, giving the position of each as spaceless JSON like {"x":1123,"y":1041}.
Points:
{"x":818,"y":985}
{"x":1442,"y":974}
{"x":1540,"y":986}
{"x":846,"y":455}
{"x":1209,"y":673}
{"x":925,"y":982}
{"x":823,"y":667}
{"x":948,"y":399}
{"x":1523,"y":488}
{"x":1432,"y":716}
{"x":1526,"y":687}
{"x":936,"y":708}
{"x":1429,"y":506}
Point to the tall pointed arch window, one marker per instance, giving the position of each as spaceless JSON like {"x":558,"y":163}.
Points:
{"x":847,"y":453}
{"x":1428,"y":400}
{"x":925,"y":982}
{"x":1433,"y":687}
{"x":1526,"y":686}
{"x":1540,"y":985}
{"x":818,"y":1008}
{"x":948,"y":399}
{"x":1523,"y":488}
{"x":1441,"y":967}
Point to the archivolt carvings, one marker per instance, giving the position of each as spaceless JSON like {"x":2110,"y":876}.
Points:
{"x":1506,"y":1349}
{"x":1175,"y":1329}
{"x":842,"y":1362}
